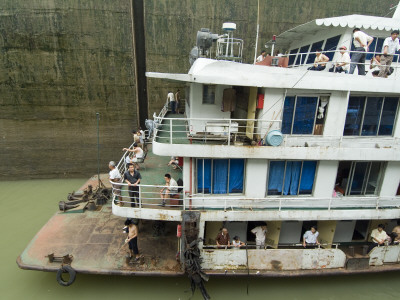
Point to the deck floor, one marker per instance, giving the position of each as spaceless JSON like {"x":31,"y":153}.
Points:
{"x":95,"y":239}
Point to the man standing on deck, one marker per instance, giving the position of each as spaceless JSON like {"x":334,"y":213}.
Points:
{"x":171,"y":101}
{"x":223,"y":239}
{"x":132,"y":239}
{"x":310,"y":238}
{"x":390,"y":46}
{"x":361,"y":43}
{"x":132,"y":178}
{"x":115,"y":177}
{"x":177,"y":99}
{"x":260,"y":232}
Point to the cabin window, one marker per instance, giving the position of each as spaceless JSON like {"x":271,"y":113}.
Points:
{"x":314,"y":47}
{"x":375,"y":47}
{"x":299,"y":114}
{"x":301,"y":58}
{"x":292,"y":56}
{"x":208,"y":94}
{"x":220,"y":176}
{"x":398,"y":190}
{"x":358,"y":178}
{"x":291,"y":177}
{"x":331,"y":45}
{"x":370,"y":116}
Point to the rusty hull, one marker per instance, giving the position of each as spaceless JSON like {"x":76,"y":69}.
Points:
{"x":95,"y":239}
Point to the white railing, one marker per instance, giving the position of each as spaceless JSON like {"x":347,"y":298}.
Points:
{"x":302,"y":58}
{"x":148,"y":196}
{"x":210,"y":129}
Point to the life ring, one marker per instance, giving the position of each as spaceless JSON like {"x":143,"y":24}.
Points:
{"x":66,"y":269}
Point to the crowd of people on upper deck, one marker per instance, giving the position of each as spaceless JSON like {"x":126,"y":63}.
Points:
{"x":380,"y":64}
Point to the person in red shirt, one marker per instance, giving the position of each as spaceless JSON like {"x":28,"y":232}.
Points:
{"x":223,"y":239}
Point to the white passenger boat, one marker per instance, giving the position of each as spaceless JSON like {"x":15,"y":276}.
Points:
{"x":278,"y":143}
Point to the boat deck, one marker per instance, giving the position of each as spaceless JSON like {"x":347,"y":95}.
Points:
{"x":95,"y":239}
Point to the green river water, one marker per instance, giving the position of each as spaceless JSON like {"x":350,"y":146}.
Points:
{"x":27,"y":205}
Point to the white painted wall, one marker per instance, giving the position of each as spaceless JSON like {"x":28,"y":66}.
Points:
{"x":325,"y":178}
{"x":335,"y":117}
{"x":272,"y":110}
{"x":256,"y":177}
{"x":210,"y":111}
{"x":344,"y":231}
{"x":391,"y":179}
{"x":290,"y":232}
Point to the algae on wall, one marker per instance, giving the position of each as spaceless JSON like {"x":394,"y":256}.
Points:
{"x":61,"y":62}
{"x":171,"y":28}
{"x":64,"y":60}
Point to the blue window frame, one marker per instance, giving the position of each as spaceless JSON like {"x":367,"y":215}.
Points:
{"x":331,"y":45}
{"x":292,"y":57}
{"x":314,"y":47}
{"x":302,"y":58}
{"x":370,"y":116}
{"x":299,"y":114}
{"x":291,"y":177}
{"x":220,"y":176}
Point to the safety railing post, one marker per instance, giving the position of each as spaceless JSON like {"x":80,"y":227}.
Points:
{"x":229,"y":132}
{"x":140,"y":196}
{"x":170,"y":131}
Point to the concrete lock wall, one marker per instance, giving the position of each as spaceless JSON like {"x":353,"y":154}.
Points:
{"x":63,"y":61}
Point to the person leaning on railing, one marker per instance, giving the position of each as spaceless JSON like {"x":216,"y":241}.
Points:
{"x":390,"y":46}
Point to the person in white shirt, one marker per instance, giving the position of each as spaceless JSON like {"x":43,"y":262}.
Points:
{"x":343,"y":63}
{"x":260,"y":232}
{"x":378,"y":237}
{"x":170,"y":189}
{"x":262,"y":56}
{"x":115,"y":178}
{"x":237,"y":243}
{"x":171,"y":101}
{"x":390,"y":46}
{"x":320,"y":61}
{"x":310,"y":238}
{"x":361,"y":43}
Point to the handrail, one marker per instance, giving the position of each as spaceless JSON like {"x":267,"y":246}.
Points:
{"x":253,"y":246}
{"x":149,"y":196}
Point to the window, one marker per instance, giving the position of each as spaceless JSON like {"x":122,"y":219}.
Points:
{"x":314,"y":47}
{"x":291,"y":177}
{"x":299,"y":114}
{"x":292,"y":56}
{"x":331,"y":45}
{"x":208,"y":94}
{"x":370,"y":116}
{"x":220,"y":176}
{"x":301,"y":58}
{"x":358,"y":178}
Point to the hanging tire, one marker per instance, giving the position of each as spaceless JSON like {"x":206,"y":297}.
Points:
{"x":71,"y":272}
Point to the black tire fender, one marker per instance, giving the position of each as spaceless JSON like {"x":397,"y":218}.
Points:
{"x":66,"y":269}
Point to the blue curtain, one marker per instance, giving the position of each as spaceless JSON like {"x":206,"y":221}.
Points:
{"x":220,"y":176}
{"x":275,"y":177}
{"x":331,"y":45}
{"x":307,"y":177}
{"x":206,"y":174}
{"x":358,"y":178}
{"x":304,"y":115}
{"x":388,"y":116}
{"x":288,"y":109}
{"x":354,"y":115}
{"x":371,"y":116}
{"x":292,"y":176}
{"x":236,"y":174}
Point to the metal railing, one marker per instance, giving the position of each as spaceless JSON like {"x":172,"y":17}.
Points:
{"x":148,"y":196}
{"x":300,"y":60}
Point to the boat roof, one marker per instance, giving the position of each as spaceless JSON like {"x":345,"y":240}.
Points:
{"x":350,"y":21}
{"x":209,"y":71}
